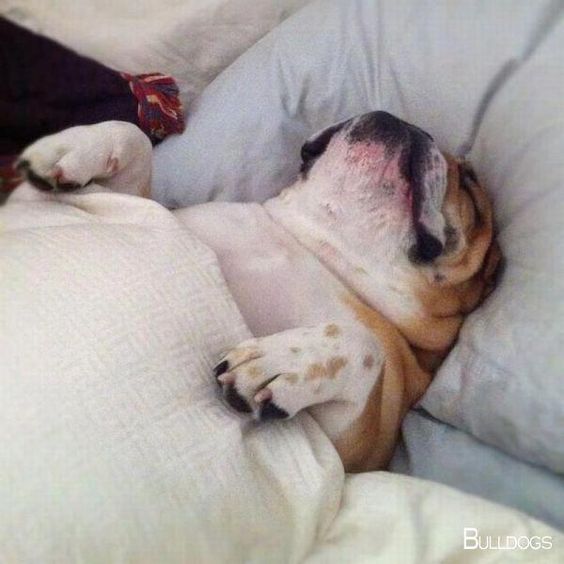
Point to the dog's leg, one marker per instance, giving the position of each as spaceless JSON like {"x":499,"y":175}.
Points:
{"x":115,"y":155}
{"x":333,"y":366}
{"x":356,"y":386}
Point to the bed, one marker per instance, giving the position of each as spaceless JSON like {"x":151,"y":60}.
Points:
{"x":116,"y":447}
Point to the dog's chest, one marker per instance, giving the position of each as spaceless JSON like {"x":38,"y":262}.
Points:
{"x":276,"y":283}
{"x":279,"y":289}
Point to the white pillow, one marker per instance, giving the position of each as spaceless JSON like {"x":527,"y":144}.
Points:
{"x":430,"y":62}
{"x":453,"y":69}
{"x":504,"y":381}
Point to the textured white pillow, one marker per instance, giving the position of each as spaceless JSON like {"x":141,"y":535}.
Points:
{"x":494,"y":68}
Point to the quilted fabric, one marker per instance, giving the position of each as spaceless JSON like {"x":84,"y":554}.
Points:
{"x":115,"y":445}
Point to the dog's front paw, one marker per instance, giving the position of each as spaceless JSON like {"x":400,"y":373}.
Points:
{"x":278,"y":376}
{"x":44,"y":172}
{"x":68,"y":160}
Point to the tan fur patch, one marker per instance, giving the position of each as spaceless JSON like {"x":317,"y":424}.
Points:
{"x":255,"y":372}
{"x":332,"y":330}
{"x":369,"y":442}
{"x":316,"y":370}
{"x":334,"y":365}
{"x":368,"y":361}
{"x":328,"y":370}
{"x":244,"y":354}
{"x":291,"y":378}
{"x":295,"y":350}
{"x":461,"y":278}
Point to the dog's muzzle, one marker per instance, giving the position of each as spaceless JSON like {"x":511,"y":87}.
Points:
{"x":423,"y":167}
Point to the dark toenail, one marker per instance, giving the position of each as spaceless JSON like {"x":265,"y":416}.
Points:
{"x":68,"y":186}
{"x":37,"y":181}
{"x":270,"y":410}
{"x":22,"y":165}
{"x":221,"y":368}
{"x":233,"y":398}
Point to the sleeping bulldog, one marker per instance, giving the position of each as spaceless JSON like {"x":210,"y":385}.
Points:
{"x":354,"y":281}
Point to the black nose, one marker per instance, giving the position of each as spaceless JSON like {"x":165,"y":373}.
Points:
{"x":385,"y":128}
{"x":379,"y":126}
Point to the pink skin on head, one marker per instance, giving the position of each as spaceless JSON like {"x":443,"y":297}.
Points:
{"x":362,"y":185}
{"x":378,"y":161}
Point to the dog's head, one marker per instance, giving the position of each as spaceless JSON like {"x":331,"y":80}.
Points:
{"x":415,"y":220}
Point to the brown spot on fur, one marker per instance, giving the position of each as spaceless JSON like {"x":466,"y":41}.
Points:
{"x":243,"y":354}
{"x":316,"y":370}
{"x":295,"y":350}
{"x":334,"y":365}
{"x":439,"y":277}
{"x":291,"y":378}
{"x":368,"y":361}
{"x":369,"y":442}
{"x":255,"y":371}
{"x":332,"y":330}
{"x":395,"y":347}
{"x":328,"y":370}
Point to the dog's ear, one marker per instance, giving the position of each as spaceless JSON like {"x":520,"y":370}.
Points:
{"x":493,"y":268}
{"x":493,"y":263}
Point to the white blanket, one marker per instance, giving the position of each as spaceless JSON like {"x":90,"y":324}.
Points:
{"x":116,"y":446}
{"x":193,"y":40}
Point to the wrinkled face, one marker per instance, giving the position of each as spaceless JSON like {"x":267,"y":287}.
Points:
{"x":412,"y":217}
{"x":388,"y":179}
